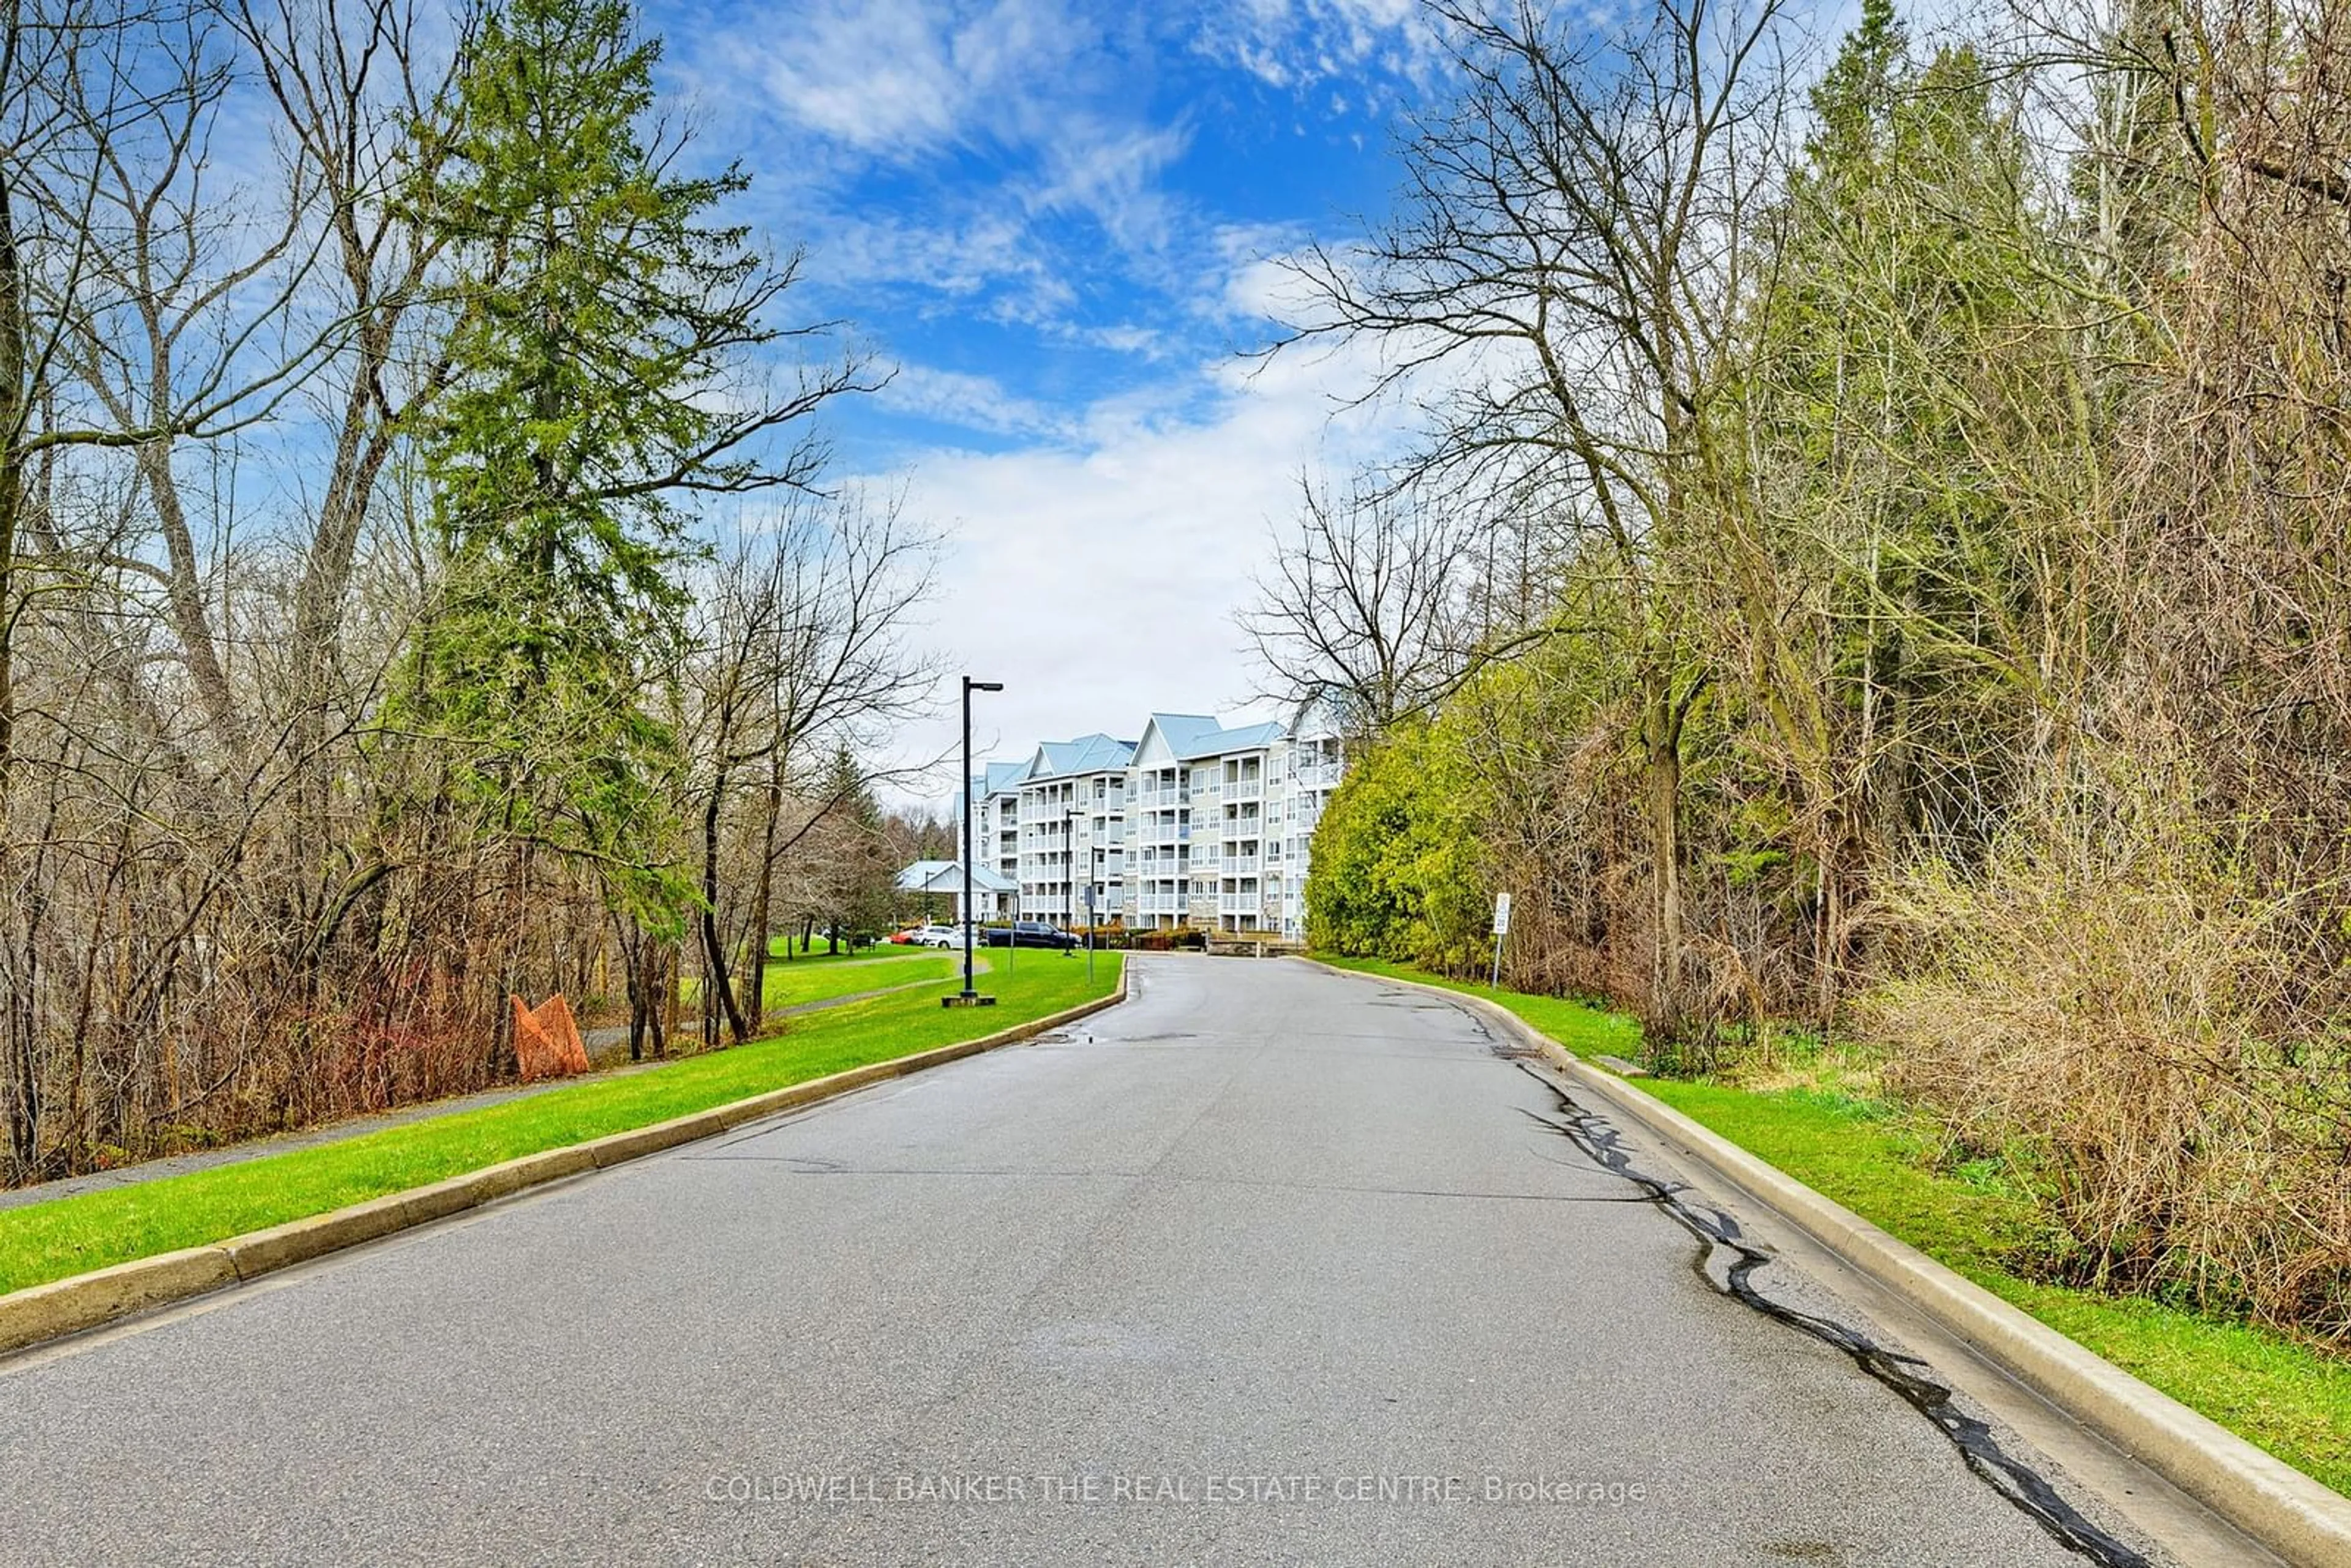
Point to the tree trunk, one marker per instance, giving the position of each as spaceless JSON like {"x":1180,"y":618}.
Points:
{"x":16,"y":1046}
{"x":714,"y":947}
{"x":15,"y":414}
{"x":667,"y":962}
{"x":1663,"y":779}
{"x":755,"y":1001}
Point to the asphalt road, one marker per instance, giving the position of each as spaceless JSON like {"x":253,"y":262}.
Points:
{"x":1266,"y":1266}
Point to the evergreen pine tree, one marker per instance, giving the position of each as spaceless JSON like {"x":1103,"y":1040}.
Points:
{"x":601,"y":329}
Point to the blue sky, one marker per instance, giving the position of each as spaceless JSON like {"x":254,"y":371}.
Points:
{"x":1056,"y":221}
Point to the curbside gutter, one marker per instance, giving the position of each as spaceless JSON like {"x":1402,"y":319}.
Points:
{"x":2303,"y":1521}
{"x":42,"y":1313}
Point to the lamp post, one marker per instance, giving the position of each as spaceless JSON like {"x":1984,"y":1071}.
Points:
{"x":1093,"y":909}
{"x":1070,"y":815}
{"x":969,"y":998}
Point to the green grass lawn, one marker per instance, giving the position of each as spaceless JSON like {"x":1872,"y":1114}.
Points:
{"x":804,"y":977}
{"x":50,"y":1241}
{"x":1871,"y":1156}
{"x":1588,"y":1031}
{"x":789,"y":985}
{"x":816,"y":953}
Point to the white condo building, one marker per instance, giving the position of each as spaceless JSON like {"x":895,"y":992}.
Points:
{"x":1073,"y":829}
{"x":1192,"y":824}
{"x":996,"y":830}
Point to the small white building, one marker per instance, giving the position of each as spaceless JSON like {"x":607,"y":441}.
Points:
{"x":990,"y":894}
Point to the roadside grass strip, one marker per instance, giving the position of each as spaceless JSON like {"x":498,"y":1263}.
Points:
{"x":47,"y":1241}
{"x":1875,"y":1158}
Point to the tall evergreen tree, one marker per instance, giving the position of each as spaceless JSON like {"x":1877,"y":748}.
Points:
{"x":604,"y":348}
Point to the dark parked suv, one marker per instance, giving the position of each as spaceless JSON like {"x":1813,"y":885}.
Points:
{"x":1028,"y":934}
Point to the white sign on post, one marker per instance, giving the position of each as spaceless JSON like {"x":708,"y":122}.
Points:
{"x":1501,"y":929}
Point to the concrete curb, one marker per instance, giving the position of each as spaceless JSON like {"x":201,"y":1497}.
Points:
{"x":42,"y":1313}
{"x":2302,"y":1521}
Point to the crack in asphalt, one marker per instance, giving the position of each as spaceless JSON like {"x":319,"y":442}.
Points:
{"x":818,"y":1165}
{"x":1718,"y":1233}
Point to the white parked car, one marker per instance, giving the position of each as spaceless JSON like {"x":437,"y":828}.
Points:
{"x":937,"y":936}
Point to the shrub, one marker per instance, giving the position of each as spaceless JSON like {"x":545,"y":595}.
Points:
{"x":2108,"y":1006}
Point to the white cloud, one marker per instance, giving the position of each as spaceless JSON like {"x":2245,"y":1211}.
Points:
{"x":1146,"y":342}
{"x":1301,"y":43}
{"x":1098,"y":578}
{"x":989,"y":127}
{"x":898,"y":79}
{"x":1014,"y":160}
{"x":974,"y":403}
{"x":1111,"y":173}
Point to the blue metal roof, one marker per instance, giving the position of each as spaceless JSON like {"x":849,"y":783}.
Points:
{"x":1248,"y":737}
{"x":1180,"y":731}
{"x":1087,"y":753}
{"x":1192,"y":735}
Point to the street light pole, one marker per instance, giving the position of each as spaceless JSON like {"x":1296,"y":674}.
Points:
{"x":968,"y":996}
{"x":1070,"y":854}
{"x":1070,"y":815}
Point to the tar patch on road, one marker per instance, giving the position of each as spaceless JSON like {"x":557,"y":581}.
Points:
{"x":1508,"y":1048}
{"x":1726,"y":1262}
{"x":1410,"y":1001}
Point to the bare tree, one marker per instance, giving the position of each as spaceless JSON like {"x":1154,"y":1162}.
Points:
{"x":351,"y":86}
{"x":1361,"y":610}
{"x":1381,"y":602}
{"x":238,"y":889}
{"x":112,"y":279}
{"x":807,"y":646}
{"x":1568,"y":268}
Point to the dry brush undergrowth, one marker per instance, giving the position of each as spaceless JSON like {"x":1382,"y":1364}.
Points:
{"x":2108,"y":1007}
